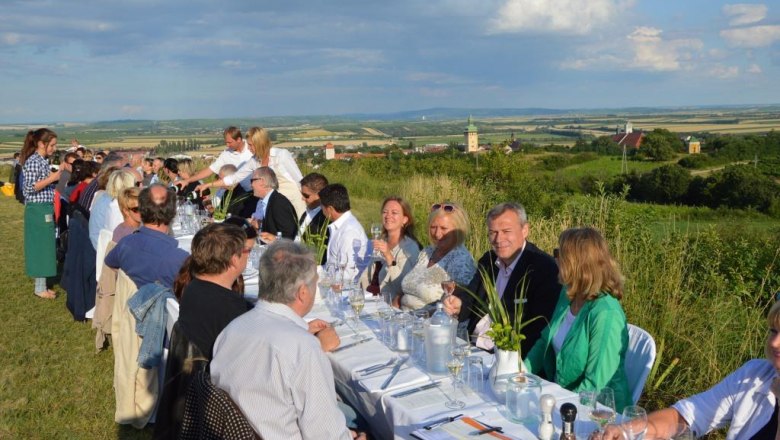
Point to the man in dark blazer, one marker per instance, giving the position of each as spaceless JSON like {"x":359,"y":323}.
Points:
{"x":313,"y":221}
{"x":512,"y":264}
{"x":274,"y":212}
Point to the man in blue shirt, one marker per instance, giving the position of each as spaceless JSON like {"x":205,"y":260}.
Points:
{"x":150,"y":254}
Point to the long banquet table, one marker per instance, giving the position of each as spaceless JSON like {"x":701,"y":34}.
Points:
{"x":397,"y":417}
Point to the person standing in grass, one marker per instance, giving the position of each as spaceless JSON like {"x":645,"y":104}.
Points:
{"x":39,"y":183}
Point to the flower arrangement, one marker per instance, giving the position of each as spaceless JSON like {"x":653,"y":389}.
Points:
{"x":506,"y":335}
{"x":221,"y":211}
{"x":315,"y":240}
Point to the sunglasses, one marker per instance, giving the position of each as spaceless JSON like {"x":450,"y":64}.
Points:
{"x":446,"y":207}
{"x":134,"y":209}
{"x":306,"y":196}
{"x":246,"y":250}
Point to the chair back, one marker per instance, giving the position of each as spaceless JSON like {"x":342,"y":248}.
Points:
{"x":210,"y":413}
{"x":640,"y":357}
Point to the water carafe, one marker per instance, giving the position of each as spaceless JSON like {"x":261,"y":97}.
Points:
{"x":439,"y":334}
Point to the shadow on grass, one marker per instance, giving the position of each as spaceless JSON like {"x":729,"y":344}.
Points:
{"x":127,"y":432}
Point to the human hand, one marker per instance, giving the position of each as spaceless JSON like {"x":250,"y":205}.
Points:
{"x":317,"y":325}
{"x":267,"y":237}
{"x":611,"y":432}
{"x":182,"y":183}
{"x":329,"y":339}
{"x":396,"y":301}
{"x":358,"y":435}
{"x":452,"y":305}
{"x":202,"y":187}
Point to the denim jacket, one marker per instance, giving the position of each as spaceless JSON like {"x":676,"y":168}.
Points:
{"x":148,"y":307}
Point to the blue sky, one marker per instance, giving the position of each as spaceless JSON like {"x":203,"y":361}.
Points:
{"x":169,"y":59}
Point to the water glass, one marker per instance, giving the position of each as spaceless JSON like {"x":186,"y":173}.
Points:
{"x":418,"y":341}
{"x":475,"y":374}
{"x":385,"y":324}
{"x":634,"y":422}
{"x":522,"y":398}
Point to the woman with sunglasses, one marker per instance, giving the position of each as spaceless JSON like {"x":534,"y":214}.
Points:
{"x":444,"y":260}
{"x":397,"y":246}
{"x":128,"y":205}
{"x":182,"y":170}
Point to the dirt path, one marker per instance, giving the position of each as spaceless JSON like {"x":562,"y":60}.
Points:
{"x":708,"y":171}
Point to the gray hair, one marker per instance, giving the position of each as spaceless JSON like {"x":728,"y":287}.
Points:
{"x":284,"y":267}
{"x":268,"y":176}
{"x":508,"y":206}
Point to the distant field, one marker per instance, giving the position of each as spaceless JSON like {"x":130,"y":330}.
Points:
{"x":605,"y":166}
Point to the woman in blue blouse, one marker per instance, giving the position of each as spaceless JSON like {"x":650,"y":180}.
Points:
{"x":38,"y":189}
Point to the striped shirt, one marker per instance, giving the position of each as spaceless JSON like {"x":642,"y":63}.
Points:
{"x":35,"y":169}
{"x":276,"y":372}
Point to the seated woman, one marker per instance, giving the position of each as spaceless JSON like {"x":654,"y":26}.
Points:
{"x":398,"y":246}
{"x":128,"y":205}
{"x":101,"y":216}
{"x":584,"y":346}
{"x":182,"y":170}
{"x":444,"y":260}
{"x":746,"y":400}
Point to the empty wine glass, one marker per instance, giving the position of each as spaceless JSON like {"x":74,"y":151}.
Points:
{"x":634,"y":422}
{"x":603,"y":411}
{"x":376,"y":232}
{"x":455,"y":365}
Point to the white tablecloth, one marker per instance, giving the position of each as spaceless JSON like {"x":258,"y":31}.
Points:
{"x":391,"y":417}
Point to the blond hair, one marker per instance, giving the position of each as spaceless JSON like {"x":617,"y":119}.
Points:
{"x":460,"y":220}
{"x":586,"y":266}
{"x":261,"y":140}
{"x":119,"y":180}
{"x":126,"y":196}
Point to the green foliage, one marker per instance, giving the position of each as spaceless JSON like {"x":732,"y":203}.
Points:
{"x":666,"y":184}
{"x":660,"y":145}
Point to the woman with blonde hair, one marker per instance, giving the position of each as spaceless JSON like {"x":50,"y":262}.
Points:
{"x":105,"y":213}
{"x":128,"y":206}
{"x":584,"y":346}
{"x":397,"y":246}
{"x":278,"y":159}
{"x":445,"y":259}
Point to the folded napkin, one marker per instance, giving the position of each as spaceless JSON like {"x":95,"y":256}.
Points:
{"x":409,"y":375}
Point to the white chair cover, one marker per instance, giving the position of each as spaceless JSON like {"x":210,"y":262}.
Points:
{"x":104,"y":238}
{"x":640,"y":357}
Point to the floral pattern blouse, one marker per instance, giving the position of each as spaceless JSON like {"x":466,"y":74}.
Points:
{"x":422,"y":285}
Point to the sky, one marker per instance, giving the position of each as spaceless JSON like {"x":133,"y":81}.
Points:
{"x":94,"y":60}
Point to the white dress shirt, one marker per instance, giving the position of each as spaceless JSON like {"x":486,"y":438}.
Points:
{"x":348,"y":244}
{"x":244,"y":162}
{"x":743,"y":399}
{"x":310,"y":214}
{"x":276,"y":372}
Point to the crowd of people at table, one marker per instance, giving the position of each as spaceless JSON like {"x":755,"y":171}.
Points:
{"x":266,"y":357}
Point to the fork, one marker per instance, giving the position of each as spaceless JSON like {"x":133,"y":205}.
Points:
{"x":374,"y":368}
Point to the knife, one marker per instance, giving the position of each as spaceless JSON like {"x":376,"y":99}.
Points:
{"x":415,"y":390}
{"x":344,"y":347}
{"x":395,"y":371}
{"x":439,"y":422}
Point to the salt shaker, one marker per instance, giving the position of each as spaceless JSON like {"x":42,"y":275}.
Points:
{"x":546,"y":429}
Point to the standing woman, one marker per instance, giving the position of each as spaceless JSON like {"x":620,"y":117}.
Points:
{"x":584,"y":346}
{"x":281,"y":161}
{"x":39,"y":182}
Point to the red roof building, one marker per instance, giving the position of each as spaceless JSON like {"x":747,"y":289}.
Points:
{"x":632,"y":139}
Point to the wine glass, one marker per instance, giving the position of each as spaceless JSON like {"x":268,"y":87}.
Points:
{"x":357,"y":300}
{"x":376,"y":232}
{"x":634,"y":422}
{"x":603,"y":411}
{"x":455,"y":365}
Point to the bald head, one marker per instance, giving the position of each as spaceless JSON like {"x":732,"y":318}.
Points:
{"x":157,"y":205}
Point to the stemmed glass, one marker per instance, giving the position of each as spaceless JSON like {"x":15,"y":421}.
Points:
{"x":455,"y":365}
{"x":634,"y":422}
{"x":603,"y":411}
{"x":376,"y":232}
{"x":357,"y":300}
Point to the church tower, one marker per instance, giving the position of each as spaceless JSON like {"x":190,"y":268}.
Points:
{"x":471,"y":137}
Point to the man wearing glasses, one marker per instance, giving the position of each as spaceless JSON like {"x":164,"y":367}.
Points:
{"x":274,"y":213}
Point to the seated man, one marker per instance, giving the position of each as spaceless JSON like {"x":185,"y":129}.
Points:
{"x":208,"y":304}
{"x":313,"y":222}
{"x":274,"y":213}
{"x":512,"y":265}
{"x":150,"y":254}
{"x":347,"y":244}
{"x":295,"y":396}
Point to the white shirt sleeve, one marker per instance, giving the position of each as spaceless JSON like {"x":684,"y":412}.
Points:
{"x":282,"y":163}
{"x":219,"y":162}
{"x":115,"y":217}
{"x":245,"y":170}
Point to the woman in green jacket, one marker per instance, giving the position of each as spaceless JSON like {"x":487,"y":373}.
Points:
{"x":584,"y":346}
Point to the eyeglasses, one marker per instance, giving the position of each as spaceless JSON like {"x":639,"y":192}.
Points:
{"x":134,"y":209}
{"x":445,"y":206}
{"x":306,"y":196}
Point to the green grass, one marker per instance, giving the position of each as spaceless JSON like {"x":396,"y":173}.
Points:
{"x":608,"y":166}
{"x":52,"y":383}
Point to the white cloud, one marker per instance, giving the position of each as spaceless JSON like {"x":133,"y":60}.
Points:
{"x":754,"y":69}
{"x":576,"y":17}
{"x":643,"y":49}
{"x":754,"y":36}
{"x":10,"y":38}
{"x":724,"y":72}
{"x":132,"y":110}
{"x":435,"y":78}
{"x":743,"y":13}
